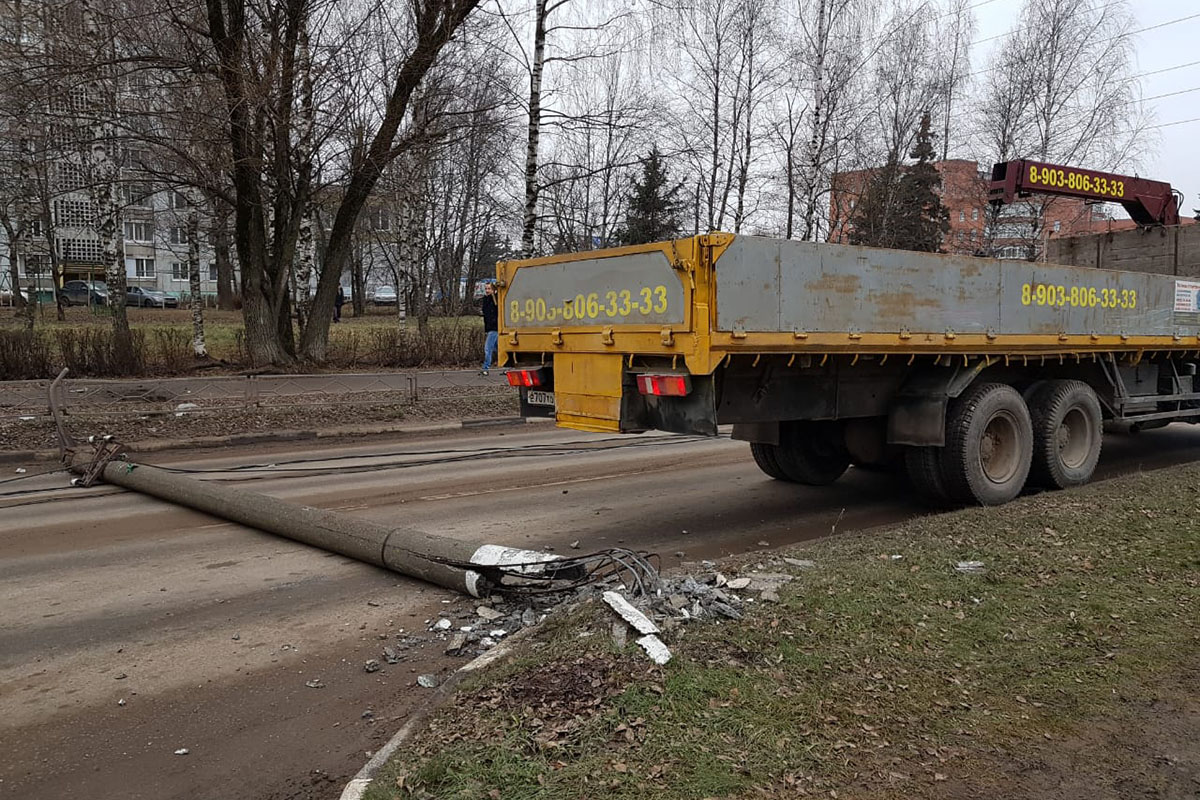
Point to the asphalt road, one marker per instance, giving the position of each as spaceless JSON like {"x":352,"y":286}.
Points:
{"x":209,"y":632}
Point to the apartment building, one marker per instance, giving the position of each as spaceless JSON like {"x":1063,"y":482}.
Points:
{"x":46,"y":181}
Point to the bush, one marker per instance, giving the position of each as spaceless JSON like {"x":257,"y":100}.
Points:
{"x":172,"y":349}
{"x":90,"y":351}
{"x":24,"y":356}
{"x":396,"y":348}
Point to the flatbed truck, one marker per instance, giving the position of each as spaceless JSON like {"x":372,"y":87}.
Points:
{"x":976,"y":377}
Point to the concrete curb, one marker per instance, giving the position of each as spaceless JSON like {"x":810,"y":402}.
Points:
{"x":357,"y":786}
{"x":349,"y":431}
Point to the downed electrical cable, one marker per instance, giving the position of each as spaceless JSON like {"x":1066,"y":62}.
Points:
{"x":636,"y":571}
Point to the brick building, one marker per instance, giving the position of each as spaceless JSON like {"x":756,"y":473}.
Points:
{"x":975,"y":228}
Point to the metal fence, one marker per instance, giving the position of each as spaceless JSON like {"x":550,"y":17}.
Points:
{"x":216,"y":393}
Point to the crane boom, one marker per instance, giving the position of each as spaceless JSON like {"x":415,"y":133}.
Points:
{"x":1147,"y":202}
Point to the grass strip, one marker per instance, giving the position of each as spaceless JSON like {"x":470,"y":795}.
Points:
{"x":883,"y":671}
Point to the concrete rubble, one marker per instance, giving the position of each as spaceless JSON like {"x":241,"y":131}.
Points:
{"x":467,"y":630}
{"x":680,"y":599}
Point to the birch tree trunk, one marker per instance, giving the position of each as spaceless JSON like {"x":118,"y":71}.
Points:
{"x":105,"y":171}
{"x":193,"y":236}
{"x":816,"y":141}
{"x":529,"y":225}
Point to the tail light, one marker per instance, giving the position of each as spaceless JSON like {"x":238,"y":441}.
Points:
{"x":529,"y":378}
{"x":664,"y":385}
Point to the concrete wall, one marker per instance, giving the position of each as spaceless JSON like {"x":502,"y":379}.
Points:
{"x":1166,"y":251}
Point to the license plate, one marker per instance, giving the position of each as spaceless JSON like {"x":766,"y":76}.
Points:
{"x":538,"y":398}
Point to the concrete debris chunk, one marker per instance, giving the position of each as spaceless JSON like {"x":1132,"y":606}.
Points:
{"x":692,"y":587}
{"x":488,"y":613}
{"x":769,"y":581}
{"x":739,"y":583}
{"x":183,"y":408}
{"x":802,"y":563}
{"x":427,"y":681}
{"x":183,"y":751}
{"x":726,"y":610}
{"x":443,"y":624}
{"x":640,"y":622}
{"x":969,"y":566}
{"x":372,"y":665}
{"x":655,"y":648}
{"x":315,"y":683}
{"x":529,"y":618}
{"x":121,"y":702}
{"x":487,"y":641}
{"x":499,"y":633}
{"x":456,"y":644}
{"x":391,"y":656}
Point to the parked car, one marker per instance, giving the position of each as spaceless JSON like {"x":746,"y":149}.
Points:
{"x":84,"y":293}
{"x":385,"y":296}
{"x":149,"y":298}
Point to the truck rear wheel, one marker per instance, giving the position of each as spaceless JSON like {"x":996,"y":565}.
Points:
{"x":812,"y":453}
{"x":1067,"y":434}
{"x":765,"y":456}
{"x":989,"y":445}
{"x":924,"y":468}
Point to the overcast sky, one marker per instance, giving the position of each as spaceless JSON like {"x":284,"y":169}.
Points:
{"x":1175,"y":151}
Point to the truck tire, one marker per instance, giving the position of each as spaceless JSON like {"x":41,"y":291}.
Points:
{"x":923,"y":466}
{"x":812,"y":453}
{"x":765,"y":456}
{"x":1067,"y":434}
{"x":989,"y":445}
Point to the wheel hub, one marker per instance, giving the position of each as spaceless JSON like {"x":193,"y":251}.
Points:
{"x":999,"y":450}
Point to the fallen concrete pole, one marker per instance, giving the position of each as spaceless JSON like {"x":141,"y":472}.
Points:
{"x":455,"y":564}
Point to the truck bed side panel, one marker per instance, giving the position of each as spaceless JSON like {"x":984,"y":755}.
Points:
{"x":634,"y":289}
{"x":770,"y":285}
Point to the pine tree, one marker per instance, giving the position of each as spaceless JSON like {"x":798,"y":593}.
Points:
{"x":923,"y":220}
{"x":901,"y":206}
{"x":654,"y":208}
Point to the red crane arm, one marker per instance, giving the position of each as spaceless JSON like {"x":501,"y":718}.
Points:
{"x":1148,"y":202}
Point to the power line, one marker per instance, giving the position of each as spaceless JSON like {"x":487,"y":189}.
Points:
{"x":1169,"y":94}
{"x":1018,"y":30}
{"x":1113,"y":38}
{"x":1164,"y":69}
{"x":1172,"y":124}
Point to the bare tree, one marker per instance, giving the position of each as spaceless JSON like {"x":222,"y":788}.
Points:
{"x":1066,"y":96}
{"x":834,"y":48}
{"x":954,"y":32}
{"x":256,"y":49}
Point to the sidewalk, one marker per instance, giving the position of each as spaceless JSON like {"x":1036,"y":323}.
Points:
{"x":268,"y":437}
{"x":348,"y":405}
{"x":137,"y":395}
